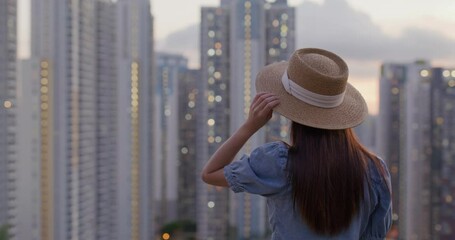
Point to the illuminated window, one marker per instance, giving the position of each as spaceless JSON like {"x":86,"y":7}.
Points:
{"x":210,"y":139}
{"x":439,"y":120}
{"x":44,"y":81}
{"x":44,"y":89}
{"x":217,"y":75}
{"x":211,"y":52}
{"x":275,"y":41}
{"x":424,"y":73}
{"x":395,"y":91}
{"x":44,"y":73}
{"x":184,"y":150}
{"x":7,"y":104}
{"x":44,"y":106}
{"x":211,"y":69}
{"x":394,"y":217}
{"x":275,"y":23}
{"x":211,"y":98}
{"x":272,"y":52}
{"x":166,"y":236}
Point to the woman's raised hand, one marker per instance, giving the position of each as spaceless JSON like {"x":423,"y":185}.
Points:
{"x":261,"y":110}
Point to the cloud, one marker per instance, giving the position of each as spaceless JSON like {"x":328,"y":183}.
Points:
{"x":337,"y":26}
{"x":184,"y":41}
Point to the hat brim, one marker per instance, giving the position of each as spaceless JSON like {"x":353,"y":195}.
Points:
{"x":350,"y":113}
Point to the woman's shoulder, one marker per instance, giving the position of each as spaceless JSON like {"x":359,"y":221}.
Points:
{"x":274,"y":148}
{"x":378,"y":170}
{"x":272,"y":151}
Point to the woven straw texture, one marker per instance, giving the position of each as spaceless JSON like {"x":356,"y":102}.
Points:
{"x":321,"y":72}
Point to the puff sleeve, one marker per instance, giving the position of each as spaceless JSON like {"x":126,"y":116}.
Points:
{"x":263,"y":172}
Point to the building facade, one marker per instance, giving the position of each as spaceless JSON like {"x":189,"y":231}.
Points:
{"x":86,"y":98}
{"x":135,"y":152}
{"x":171,"y":71}
{"x":237,"y":39}
{"x":8,"y":147}
{"x":106,"y":125}
{"x":280,"y":44}
{"x":189,"y":110}
{"x":442,"y":191}
{"x":399,"y":85}
{"x":414,"y":137}
{"x":212,"y":203}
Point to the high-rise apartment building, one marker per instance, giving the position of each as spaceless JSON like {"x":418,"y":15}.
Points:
{"x":401,"y":112}
{"x":106,"y":125}
{"x":280,"y":44}
{"x":176,"y":118}
{"x":442,"y":191}
{"x":414,"y":137}
{"x":237,"y":40}
{"x":212,"y":203}
{"x":171,"y":71}
{"x":64,"y":49}
{"x":85,"y":98}
{"x":135,"y":74}
{"x":8,"y":147}
{"x":189,"y":110}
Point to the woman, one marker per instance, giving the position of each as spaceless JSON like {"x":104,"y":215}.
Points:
{"x":325,"y":184}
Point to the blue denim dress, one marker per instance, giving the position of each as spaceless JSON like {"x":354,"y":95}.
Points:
{"x":264,"y":173}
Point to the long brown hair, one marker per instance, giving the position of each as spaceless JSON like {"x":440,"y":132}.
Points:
{"x":327,"y":170}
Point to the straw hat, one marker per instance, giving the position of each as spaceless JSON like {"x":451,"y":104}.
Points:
{"x":313,"y":90}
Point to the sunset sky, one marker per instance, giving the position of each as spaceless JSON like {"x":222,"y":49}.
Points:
{"x":364,"y":32}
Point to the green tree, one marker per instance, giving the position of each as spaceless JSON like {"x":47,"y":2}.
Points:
{"x":180,"y":229}
{"x":4,"y":232}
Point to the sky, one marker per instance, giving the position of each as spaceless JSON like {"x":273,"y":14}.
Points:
{"x":365,"y":33}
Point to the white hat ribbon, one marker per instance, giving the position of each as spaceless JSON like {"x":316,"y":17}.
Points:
{"x":318,"y":100}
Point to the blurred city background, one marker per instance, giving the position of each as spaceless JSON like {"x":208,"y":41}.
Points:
{"x":110,"y":108}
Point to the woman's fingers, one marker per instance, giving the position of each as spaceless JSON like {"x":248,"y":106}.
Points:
{"x":265,"y":102}
{"x":261,"y":109}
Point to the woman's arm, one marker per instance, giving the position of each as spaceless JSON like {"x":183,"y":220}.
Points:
{"x":260,"y":113}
